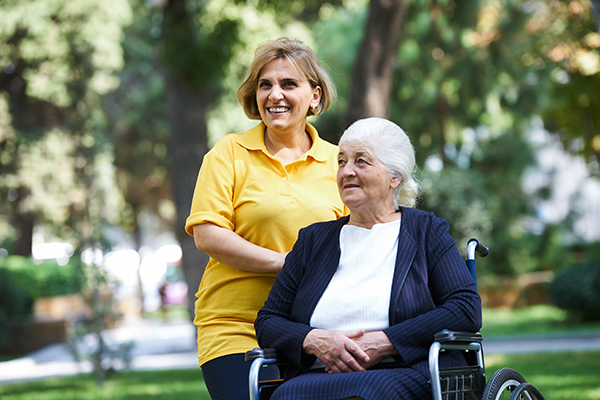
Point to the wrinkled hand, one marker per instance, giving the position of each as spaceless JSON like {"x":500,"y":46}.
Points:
{"x":336,"y":349}
{"x":377,"y":346}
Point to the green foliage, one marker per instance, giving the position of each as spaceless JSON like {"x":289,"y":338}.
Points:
{"x":22,"y":281}
{"x":459,"y":196}
{"x":44,"y":279}
{"x":187,"y":48}
{"x":14,"y":300}
{"x":575,"y":289}
{"x":136,"y":112}
{"x":57,"y":58}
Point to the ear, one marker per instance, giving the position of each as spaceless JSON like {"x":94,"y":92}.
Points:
{"x":316,"y":98}
{"x":395,"y":181}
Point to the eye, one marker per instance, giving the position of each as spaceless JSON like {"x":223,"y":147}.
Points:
{"x":264,"y":84}
{"x":289,"y":84}
{"x":361,"y":161}
{"x":341,"y":162}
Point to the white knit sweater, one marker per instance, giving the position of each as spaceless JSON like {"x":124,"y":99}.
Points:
{"x":358,"y":296}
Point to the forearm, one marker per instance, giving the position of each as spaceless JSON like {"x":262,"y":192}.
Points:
{"x":232,"y":250}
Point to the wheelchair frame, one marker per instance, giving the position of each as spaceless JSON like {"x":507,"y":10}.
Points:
{"x":455,"y":383}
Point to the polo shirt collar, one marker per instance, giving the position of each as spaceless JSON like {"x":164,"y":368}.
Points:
{"x":253,"y":139}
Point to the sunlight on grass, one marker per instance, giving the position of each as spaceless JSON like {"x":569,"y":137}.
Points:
{"x":164,"y":385}
{"x":538,"y":319}
{"x":569,"y":375}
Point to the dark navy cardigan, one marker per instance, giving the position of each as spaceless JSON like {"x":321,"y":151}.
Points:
{"x":432,"y":290}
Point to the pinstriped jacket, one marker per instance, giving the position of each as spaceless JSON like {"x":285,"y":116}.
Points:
{"x":432,"y":290}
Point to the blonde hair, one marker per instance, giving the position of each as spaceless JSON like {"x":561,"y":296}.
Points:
{"x":302,"y":58}
{"x":393,"y":148}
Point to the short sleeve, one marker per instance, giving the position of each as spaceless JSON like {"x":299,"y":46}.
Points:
{"x":213,"y":195}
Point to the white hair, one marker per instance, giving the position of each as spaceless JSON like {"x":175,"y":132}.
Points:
{"x":392,"y":147}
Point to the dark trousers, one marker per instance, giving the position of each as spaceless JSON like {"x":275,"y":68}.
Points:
{"x":227,"y":377}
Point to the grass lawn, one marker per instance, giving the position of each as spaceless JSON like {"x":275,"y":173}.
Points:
{"x":535,"y":320}
{"x":569,"y":375}
{"x":572,"y":376}
{"x":164,"y":385}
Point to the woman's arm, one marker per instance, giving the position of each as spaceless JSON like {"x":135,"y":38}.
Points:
{"x":231,"y":249}
{"x":450,"y":288}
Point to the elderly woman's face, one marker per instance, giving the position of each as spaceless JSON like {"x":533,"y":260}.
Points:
{"x":363,"y":181}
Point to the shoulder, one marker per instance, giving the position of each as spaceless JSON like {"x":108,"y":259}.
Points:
{"x":225,"y":146}
{"x":322,"y":233}
{"x":417,"y":221}
{"x":325,"y":227}
{"x":252,"y":139}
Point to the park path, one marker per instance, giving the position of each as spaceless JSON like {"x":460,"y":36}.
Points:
{"x":172,"y":346}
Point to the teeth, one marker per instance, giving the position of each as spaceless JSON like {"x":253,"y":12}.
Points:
{"x":278,"y":109}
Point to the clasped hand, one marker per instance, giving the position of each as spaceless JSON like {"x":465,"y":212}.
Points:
{"x":348,"y":351}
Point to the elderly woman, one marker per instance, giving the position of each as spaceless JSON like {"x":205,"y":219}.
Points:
{"x":255,"y":190}
{"x":359,"y":299}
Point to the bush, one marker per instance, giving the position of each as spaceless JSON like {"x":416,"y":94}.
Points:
{"x":45,"y":279}
{"x":577,"y":290}
{"x":22,"y":281}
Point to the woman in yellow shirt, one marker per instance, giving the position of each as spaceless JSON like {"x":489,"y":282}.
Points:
{"x":255,"y":190}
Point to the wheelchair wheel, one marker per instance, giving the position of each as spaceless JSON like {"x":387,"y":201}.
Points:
{"x":502,"y":384}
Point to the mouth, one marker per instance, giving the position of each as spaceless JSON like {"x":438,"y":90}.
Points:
{"x":350,"y":186}
{"x":278,"y":110}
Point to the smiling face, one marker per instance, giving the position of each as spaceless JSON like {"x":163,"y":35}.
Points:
{"x":284,"y":96}
{"x":364,"y":182}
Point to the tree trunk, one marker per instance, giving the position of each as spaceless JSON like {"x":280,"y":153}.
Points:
{"x":24,"y":222}
{"x":372,"y":77}
{"x":186,"y":147}
{"x":596,"y":10}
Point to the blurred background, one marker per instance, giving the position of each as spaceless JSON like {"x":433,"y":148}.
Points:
{"x":108,"y":106}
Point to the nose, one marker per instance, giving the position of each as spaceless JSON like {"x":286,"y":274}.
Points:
{"x":347,"y":170}
{"x":276,"y":93}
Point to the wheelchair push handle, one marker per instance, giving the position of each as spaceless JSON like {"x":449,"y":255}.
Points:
{"x":475,"y":246}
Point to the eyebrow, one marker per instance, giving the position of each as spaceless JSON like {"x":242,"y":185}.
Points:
{"x":282,"y":80}
{"x":356,"y":153}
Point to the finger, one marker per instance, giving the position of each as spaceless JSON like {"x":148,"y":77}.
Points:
{"x":357,"y":353}
{"x":349,"y":364}
{"x":354,"y":334}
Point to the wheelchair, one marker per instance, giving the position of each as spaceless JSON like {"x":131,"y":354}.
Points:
{"x":455,"y":383}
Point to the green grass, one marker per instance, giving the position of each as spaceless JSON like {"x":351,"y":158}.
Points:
{"x":164,"y":385}
{"x":559,"y":376}
{"x":568,"y":375}
{"x":535,"y":320}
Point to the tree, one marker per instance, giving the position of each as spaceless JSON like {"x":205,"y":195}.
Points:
{"x":192,"y":83}
{"x":59,"y":58}
{"x":372,"y":77}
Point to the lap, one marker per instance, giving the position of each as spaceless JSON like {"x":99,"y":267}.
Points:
{"x":380,"y":384}
{"x":227,"y":377}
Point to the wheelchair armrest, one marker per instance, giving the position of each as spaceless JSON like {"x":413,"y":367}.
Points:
{"x":267,"y":354}
{"x":446,"y":336}
{"x":260,"y":357}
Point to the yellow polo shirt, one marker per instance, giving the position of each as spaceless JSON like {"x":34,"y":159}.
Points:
{"x":243,"y":188}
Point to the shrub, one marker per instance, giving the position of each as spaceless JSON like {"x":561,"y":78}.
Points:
{"x":21,"y":282}
{"x":45,"y":279}
{"x":577,"y":290}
